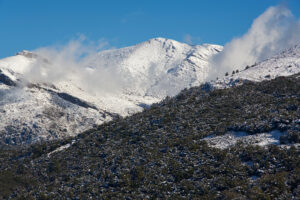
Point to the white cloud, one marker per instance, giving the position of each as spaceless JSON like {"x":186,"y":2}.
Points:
{"x":187,"y":38}
{"x":75,"y":61}
{"x":270,"y":33}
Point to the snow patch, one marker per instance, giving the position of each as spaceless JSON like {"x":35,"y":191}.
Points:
{"x":230,"y":139}
{"x":61,"y":148}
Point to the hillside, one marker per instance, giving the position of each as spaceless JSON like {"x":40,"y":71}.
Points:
{"x":163,"y":151}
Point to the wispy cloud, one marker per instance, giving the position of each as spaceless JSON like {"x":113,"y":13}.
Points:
{"x":270,"y":33}
{"x":187,"y":38}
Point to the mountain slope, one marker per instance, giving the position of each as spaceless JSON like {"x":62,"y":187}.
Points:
{"x":36,"y":109}
{"x":285,"y":63}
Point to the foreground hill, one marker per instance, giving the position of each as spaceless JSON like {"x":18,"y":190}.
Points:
{"x":164,"y":151}
{"x":35,"y":108}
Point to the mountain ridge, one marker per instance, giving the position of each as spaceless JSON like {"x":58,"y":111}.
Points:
{"x":285,"y":63}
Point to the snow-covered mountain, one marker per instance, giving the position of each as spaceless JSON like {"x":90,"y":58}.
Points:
{"x":38,"y":110}
{"x":33,"y":110}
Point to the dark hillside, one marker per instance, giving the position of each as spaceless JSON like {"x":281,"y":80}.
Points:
{"x":159,"y":153}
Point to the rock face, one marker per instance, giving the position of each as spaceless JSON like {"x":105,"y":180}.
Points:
{"x":34,"y":111}
{"x":6,"y":80}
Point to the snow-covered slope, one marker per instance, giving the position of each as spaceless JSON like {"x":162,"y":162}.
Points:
{"x":33,"y":111}
{"x":284,"y":64}
{"x":161,"y":67}
{"x":33,"y":114}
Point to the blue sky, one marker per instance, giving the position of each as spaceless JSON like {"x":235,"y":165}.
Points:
{"x":30,"y":24}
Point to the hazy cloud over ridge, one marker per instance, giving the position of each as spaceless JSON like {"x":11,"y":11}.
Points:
{"x":270,"y":33}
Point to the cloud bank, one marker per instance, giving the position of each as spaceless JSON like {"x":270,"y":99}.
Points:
{"x":75,"y":61}
{"x":270,"y":33}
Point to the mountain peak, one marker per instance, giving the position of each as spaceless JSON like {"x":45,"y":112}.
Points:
{"x":158,"y":39}
{"x":164,"y":41}
{"x":27,"y":54}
